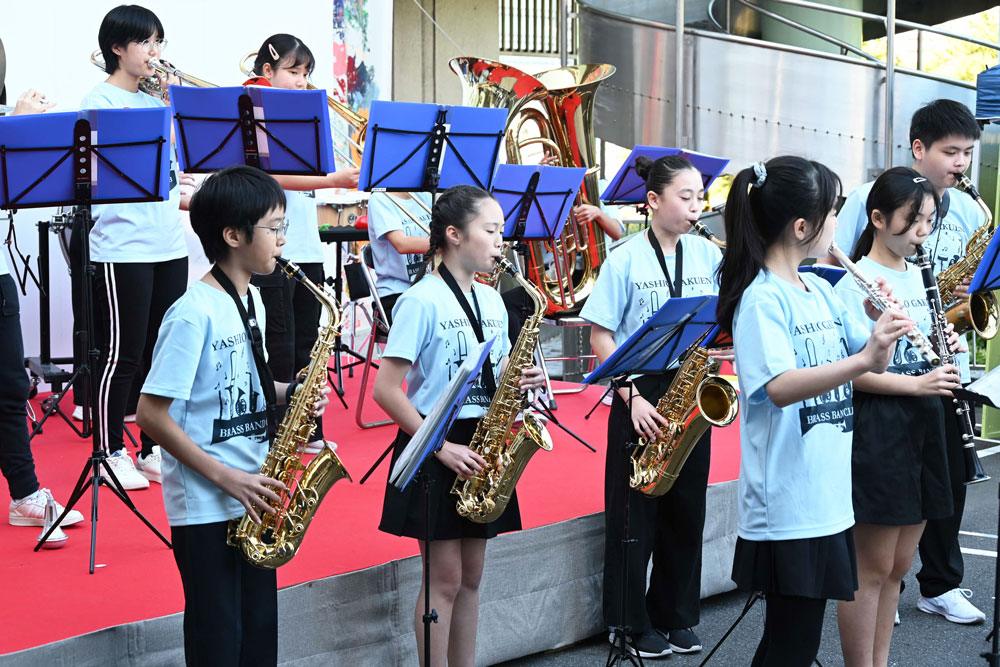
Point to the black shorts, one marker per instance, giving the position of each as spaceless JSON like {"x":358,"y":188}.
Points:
{"x":403,"y":511}
{"x":899,"y":468}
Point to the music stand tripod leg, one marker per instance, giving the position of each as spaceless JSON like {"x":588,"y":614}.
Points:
{"x":751,"y":601}
{"x":619,"y":651}
{"x":993,"y":655}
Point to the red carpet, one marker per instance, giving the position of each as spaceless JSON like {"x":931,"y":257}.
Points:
{"x":49,"y":595}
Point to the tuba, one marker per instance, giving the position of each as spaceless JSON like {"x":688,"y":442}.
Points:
{"x":483,"y":497}
{"x":151,"y":85}
{"x":697,"y":398}
{"x":565,"y":128}
{"x":277,"y":538}
{"x":980,"y":311}
{"x":357,"y":121}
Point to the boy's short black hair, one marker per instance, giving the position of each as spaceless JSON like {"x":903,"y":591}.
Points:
{"x":234,"y":197}
{"x":122,"y":25}
{"x":942,"y":118}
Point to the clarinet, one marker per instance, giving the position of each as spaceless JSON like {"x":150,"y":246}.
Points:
{"x":973,"y":466}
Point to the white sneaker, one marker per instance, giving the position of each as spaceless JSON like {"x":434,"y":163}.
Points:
{"x":149,"y":466}
{"x":607,"y":398}
{"x":895,"y":621}
{"x":953,"y":605}
{"x":30,"y":511}
{"x":78,"y":413}
{"x":124,"y":469}
{"x":129,"y":419}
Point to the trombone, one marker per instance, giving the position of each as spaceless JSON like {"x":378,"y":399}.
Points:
{"x":151,"y":85}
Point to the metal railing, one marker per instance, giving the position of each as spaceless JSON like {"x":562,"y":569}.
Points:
{"x":889,"y":21}
{"x":535,"y":27}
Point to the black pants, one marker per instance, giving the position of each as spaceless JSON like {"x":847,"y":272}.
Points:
{"x":942,"y":567}
{"x":669,"y":528}
{"x":230,"y":606}
{"x":293,"y":315}
{"x":129,"y":303}
{"x":77,"y":285}
{"x":15,"y":453}
{"x":388,"y":303}
{"x":793,"y":628}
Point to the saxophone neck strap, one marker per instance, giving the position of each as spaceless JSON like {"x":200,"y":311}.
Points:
{"x":475,"y":319}
{"x":249,"y":316}
{"x":676,"y":284}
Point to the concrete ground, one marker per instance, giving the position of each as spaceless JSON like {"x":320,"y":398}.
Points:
{"x":920,"y":640}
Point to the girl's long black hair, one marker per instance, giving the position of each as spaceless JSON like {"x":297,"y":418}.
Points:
{"x":757,"y":213}
{"x":896,"y":187}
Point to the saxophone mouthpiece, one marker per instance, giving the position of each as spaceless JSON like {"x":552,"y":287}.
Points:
{"x":965,"y":185}
{"x":289,"y":268}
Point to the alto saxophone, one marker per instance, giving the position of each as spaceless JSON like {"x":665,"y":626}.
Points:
{"x":484,"y":496}
{"x":980,"y":311}
{"x":277,"y":538}
{"x":697,"y":398}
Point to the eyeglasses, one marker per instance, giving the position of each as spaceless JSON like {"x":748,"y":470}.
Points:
{"x":279,"y":230}
{"x":148,"y":44}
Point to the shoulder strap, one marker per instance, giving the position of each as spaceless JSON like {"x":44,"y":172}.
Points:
{"x":256,"y":342}
{"x":676,"y":284}
{"x":489,"y":379}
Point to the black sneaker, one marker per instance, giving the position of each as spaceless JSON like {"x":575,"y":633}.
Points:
{"x":652,"y":644}
{"x":684,"y":640}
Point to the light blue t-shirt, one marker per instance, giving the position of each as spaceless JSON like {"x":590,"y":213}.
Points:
{"x":138,"y":232}
{"x":302,"y":244}
{"x":204,"y":361}
{"x":631,"y":286}
{"x":945,"y":245}
{"x":908,"y":290}
{"x":395,"y":271}
{"x":795,"y":462}
{"x":430,"y":330}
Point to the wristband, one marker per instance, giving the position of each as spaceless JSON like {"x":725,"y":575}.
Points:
{"x":290,"y":391}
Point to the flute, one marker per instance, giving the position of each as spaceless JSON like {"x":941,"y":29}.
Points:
{"x":881,"y":303}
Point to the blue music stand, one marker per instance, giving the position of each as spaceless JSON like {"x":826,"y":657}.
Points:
{"x":88,"y":157}
{"x":627,"y":188}
{"x":661,"y":340}
{"x":832,"y":274}
{"x":83,"y":158}
{"x":414,"y":147}
{"x":536,"y":199}
{"x":987,"y":276}
{"x":431,"y":434}
{"x":279,"y":131}
{"x":428,"y":439}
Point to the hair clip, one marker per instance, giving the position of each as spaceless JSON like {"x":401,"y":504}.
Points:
{"x":761,"y":173}
{"x":919,"y":179}
{"x":274,"y":51}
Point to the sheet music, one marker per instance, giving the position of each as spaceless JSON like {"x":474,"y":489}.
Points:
{"x":431,"y":433}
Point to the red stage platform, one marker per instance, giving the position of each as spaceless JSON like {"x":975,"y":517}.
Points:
{"x":50,"y":596}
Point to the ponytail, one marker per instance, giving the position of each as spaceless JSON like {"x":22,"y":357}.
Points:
{"x":763,"y":200}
